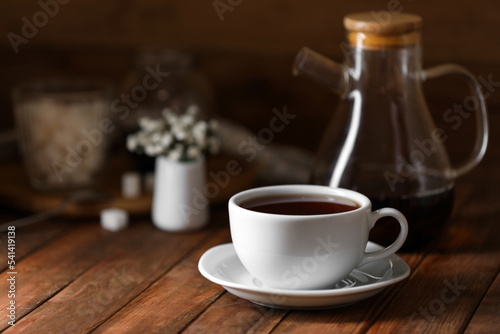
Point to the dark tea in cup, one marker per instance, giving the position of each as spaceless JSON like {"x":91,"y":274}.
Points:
{"x":300,"y":204}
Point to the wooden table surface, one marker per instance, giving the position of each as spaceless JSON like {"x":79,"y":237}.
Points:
{"x":72,"y":276}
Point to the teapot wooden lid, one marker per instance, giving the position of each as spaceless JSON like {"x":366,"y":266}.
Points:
{"x":382,"y":23}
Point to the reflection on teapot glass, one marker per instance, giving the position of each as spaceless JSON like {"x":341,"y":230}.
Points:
{"x":382,"y":140}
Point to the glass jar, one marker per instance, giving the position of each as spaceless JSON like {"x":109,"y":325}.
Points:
{"x":63,"y":126}
{"x":382,"y":140}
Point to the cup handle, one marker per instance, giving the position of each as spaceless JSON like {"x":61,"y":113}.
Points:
{"x":380,"y":254}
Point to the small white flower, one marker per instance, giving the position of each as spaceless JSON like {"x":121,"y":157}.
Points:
{"x":150,"y":125}
{"x":155,"y":137}
{"x":213,"y":125}
{"x":142,"y":139}
{"x":190,"y":139}
{"x":180,"y":135}
{"x":213,"y":145}
{"x":176,"y":153}
{"x":187,"y":120}
{"x":200,"y":130}
{"x":201,"y":142}
{"x":192,"y":110}
{"x":131,"y":143}
{"x":149,"y":150}
{"x":159,"y":149}
{"x":144,"y":123}
{"x":193,"y":152}
{"x":171,"y":119}
{"x":176,"y":127}
{"x":166,"y":139}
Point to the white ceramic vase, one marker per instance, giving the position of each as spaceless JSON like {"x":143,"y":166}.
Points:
{"x":179,"y":203}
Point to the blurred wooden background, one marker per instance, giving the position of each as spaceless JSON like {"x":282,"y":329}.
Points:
{"x":248,"y":54}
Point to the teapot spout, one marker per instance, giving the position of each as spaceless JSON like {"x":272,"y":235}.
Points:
{"x":321,"y":69}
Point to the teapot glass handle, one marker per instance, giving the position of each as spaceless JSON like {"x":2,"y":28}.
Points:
{"x":481,"y":117}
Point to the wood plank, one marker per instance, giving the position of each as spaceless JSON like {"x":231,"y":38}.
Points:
{"x":31,"y":238}
{"x":487,"y":317}
{"x":231,"y":314}
{"x":173,"y":301}
{"x":122,"y":272}
{"x":442,"y":298}
{"x":45,"y":272}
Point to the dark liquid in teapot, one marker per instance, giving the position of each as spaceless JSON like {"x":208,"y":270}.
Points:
{"x":426,"y":215}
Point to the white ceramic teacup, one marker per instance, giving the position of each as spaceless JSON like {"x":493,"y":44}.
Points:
{"x":306,"y":251}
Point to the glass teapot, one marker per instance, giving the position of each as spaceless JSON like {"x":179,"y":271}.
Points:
{"x":382,"y":140}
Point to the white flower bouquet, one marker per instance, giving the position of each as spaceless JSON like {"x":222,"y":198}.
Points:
{"x":179,"y":137}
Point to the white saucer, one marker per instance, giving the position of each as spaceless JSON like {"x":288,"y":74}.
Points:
{"x":221,"y":265}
